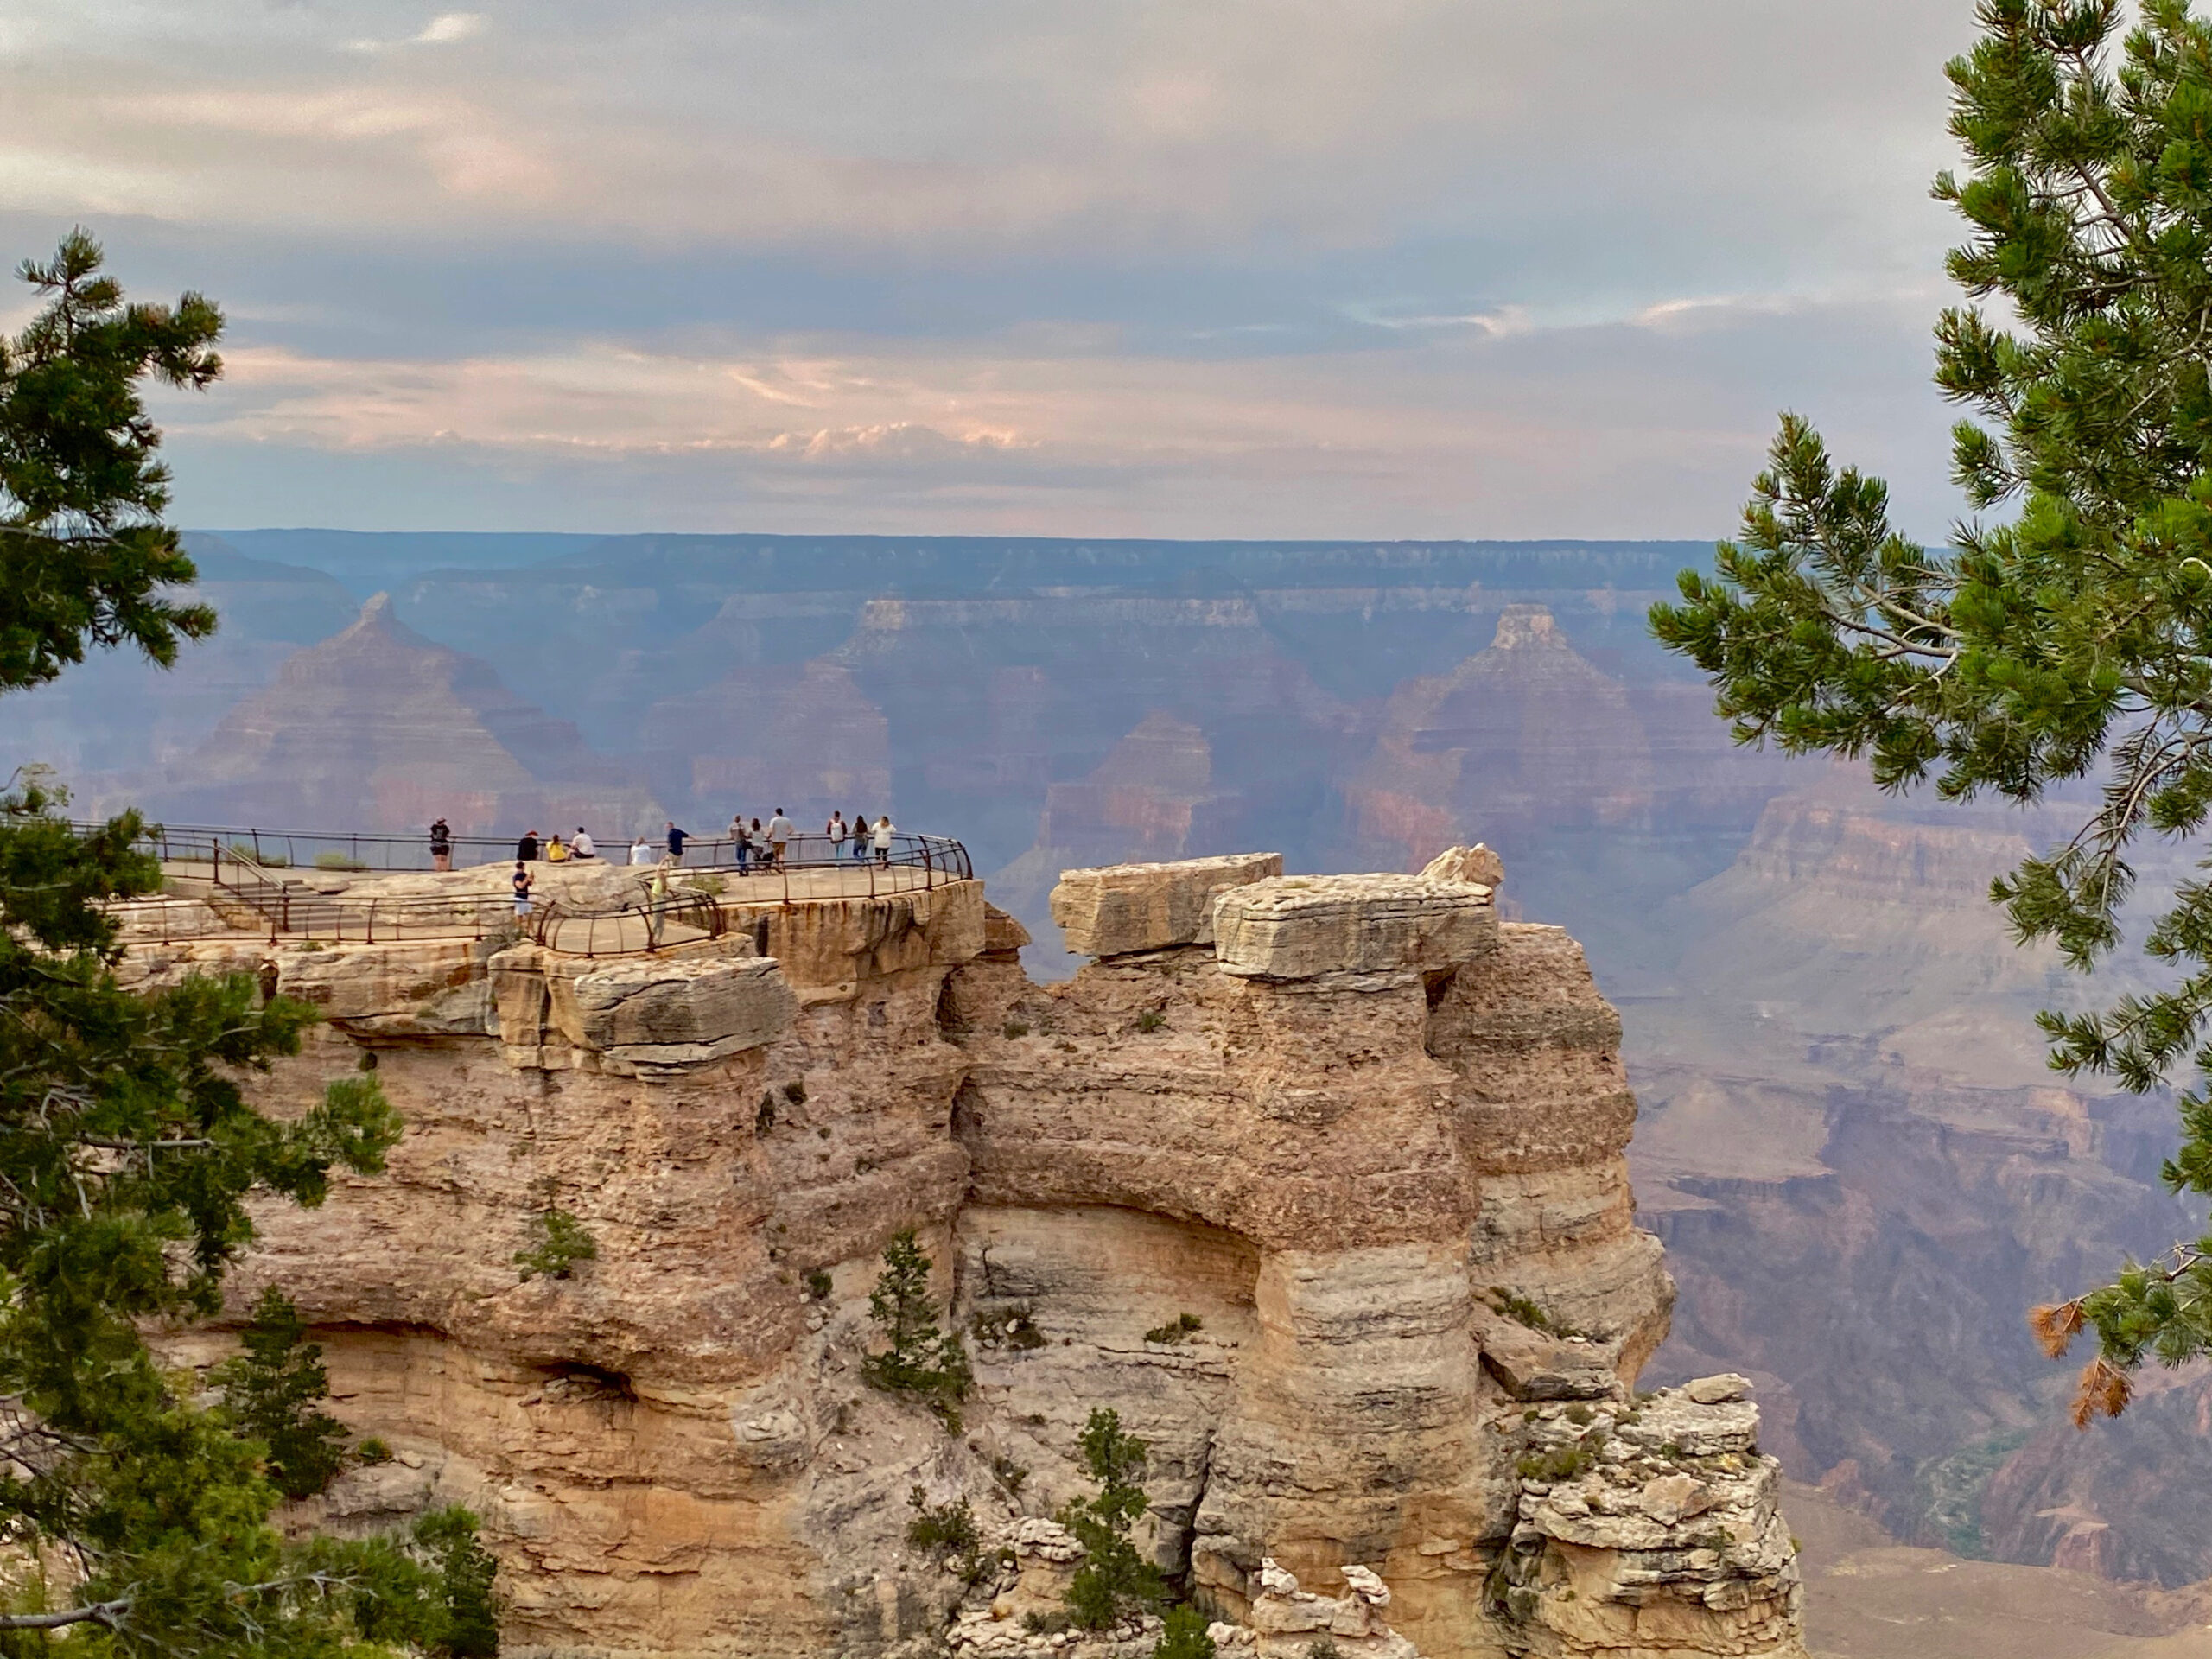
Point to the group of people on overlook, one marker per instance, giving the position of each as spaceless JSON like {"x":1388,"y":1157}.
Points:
{"x":754,"y":846}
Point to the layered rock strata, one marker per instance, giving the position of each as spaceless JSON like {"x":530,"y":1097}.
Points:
{"x":1330,"y":1205}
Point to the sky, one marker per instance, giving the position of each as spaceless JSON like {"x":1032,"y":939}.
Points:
{"x":1215,"y":268}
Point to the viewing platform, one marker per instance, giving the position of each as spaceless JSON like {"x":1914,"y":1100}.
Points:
{"x":335,"y":887}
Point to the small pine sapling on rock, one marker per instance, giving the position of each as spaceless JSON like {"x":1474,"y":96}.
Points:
{"x":557,"y":1243}
{"x":922,"y":1362}
{"x":271,"y":1393}
{"x":1115,"y":1581}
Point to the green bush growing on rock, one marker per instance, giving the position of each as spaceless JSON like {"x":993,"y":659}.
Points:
{"x":1186,"y":1636}
{"x":922,"y":1362}
{"x":558,"y":1244}
{"x":1115,"y":1581}
{"x":1523,"y":1310}
{"x":1176,"y":1329}
{"x":270,"y":1394}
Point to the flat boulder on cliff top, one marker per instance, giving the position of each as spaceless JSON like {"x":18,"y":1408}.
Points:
{"x":682,"y":1012}
{"x":1121,"y":908}
{"x":1299,"y":927}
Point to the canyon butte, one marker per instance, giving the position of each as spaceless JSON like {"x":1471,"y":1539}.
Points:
{"x":1318,"y":1181}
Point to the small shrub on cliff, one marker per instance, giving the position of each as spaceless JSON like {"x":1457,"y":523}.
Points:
{"x":1176,"y":1329}
{"x":921,"y":1363}
{"x":1153,"y":1020}
{"x":1115,"y":1581}
{"x":557,"y":1243}
{"x":270,"y":1394}
{"x":1523,"y":1310}
{"x":1186,"y":1636}
{"x":946,"y":1534}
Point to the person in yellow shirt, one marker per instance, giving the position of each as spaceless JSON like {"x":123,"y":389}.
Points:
{"x":556,"y":852}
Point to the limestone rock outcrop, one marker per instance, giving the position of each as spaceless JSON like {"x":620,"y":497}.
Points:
{"x":1125,"y":908}
{"x":1332,"y":1210}
{"x":1302,"y":927}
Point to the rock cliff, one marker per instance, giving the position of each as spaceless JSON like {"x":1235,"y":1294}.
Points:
{"x":1367,"y":1138}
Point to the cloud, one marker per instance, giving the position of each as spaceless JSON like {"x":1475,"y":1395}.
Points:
{"x":449,"y":27}
{"x":1401,"y":264}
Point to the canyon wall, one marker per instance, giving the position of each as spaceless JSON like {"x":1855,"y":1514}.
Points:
{"x":1367,"y":1138}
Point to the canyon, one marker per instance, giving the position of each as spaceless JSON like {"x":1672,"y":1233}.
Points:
{"x":1849,"y":1144}
{"x":1317,"y":1181}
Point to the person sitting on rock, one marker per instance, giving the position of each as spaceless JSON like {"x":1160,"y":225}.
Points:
{"x":554,"y":852}
{"x":526,"y":848}
{"x":641,"y":852}
{"x":582,"y":847}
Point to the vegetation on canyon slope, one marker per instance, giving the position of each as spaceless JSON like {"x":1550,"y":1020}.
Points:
{"x":919,"y":1361}
{"x":137,"y":1521}
{"x":2078,"y":635}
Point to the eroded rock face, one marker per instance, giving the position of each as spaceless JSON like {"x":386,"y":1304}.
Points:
{"x":1348,"y":1240}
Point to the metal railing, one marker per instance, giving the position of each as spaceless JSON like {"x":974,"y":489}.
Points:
{"x":244,"y":895}
{"x":344,"y":852}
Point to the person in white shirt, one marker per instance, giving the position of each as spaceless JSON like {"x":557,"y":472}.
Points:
{"x":581,"y":846}
{"x":639,"y":852}
{"x":780,"y":830}
{"x":882,"y":838}
{"x":837,"y":831}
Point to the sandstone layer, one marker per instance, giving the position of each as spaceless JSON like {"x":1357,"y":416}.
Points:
{"x":1348,"y":1238}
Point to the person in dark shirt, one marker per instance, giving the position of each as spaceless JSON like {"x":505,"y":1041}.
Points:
{"x":675,"y":839}
{"x":441,"y":846}
{"x":526,"y":848}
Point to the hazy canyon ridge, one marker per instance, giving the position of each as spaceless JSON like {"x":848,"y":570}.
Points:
{"x":1862,"y":1172}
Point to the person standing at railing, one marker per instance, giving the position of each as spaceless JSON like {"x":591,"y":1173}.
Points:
{"x":641,"y":852}
{"x":675,"y":839}
{"x":522,"y":884}
{"x":440,"y":845}
{"x":742,"y":839}
{"x":780,"y":831}
{"x":860,"y":836}
{"x":526,"y":848}
{"x":883,"y":834}
{"x":837,"y":831}
{"x":583,"y":846}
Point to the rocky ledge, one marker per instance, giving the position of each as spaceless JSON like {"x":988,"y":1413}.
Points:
{"x":1318,"y":1182}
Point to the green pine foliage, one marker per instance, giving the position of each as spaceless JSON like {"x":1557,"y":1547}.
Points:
{"x":272,"y":1393}
{"x":1116,"y":1582}
{"x":919,"y":1362}
{"x":1185,"y":1636}
{"x":558,"y":1245}
{"x":81,"y":492}
{"x":2073,"y":636}
{"x":128,"y":1150}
